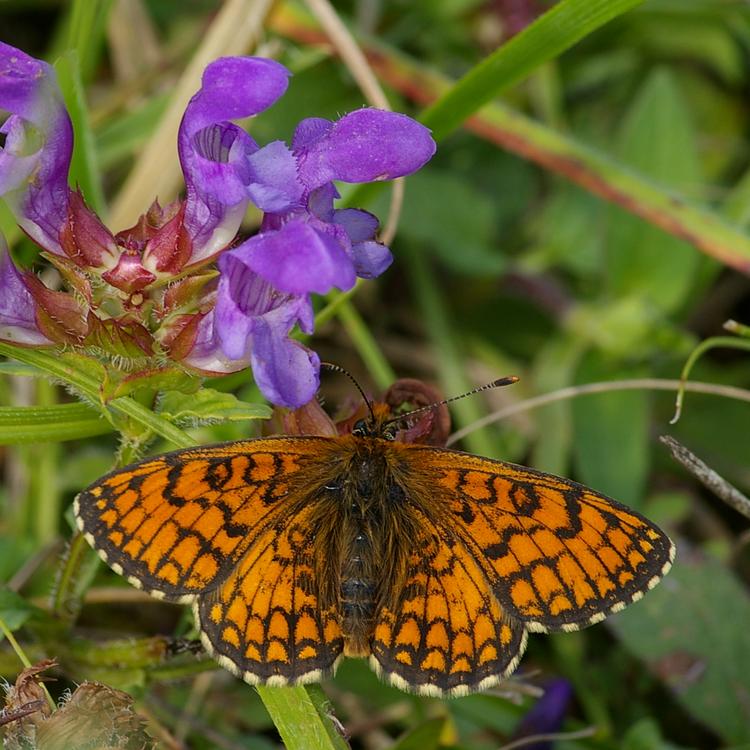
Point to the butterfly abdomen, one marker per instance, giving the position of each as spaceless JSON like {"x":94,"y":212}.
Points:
{"x":358,"y":591}
{"x":358,"y":581}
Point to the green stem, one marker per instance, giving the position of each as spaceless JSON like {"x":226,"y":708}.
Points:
{"x":737,"y":328}
{"x":700,"y":350}
{"x":364,"y":341}
{"x":52,"y":423}
{"x":301,"y":715}
{"x":550,"y":35}
{"x":46,"y":496}
{"x":77,"y":568}
{"x":334,"y":301}
{"x":88,"y":386}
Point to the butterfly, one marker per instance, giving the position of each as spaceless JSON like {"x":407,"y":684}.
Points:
{"x":296,"y":551}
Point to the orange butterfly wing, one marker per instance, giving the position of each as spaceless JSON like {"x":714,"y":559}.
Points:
{"x":225,"y":527}
{"x":263,"y":622}
{"x":499,"y":549}
{"x":557,"y":555}
{"x":447,"y":633}
{"x":176,"y":524}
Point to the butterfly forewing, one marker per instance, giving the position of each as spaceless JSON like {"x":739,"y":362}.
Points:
{"x":558,"y":555}
{"x":176,"y":524}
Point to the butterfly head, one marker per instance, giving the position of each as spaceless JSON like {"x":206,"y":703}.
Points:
{"x":377,"y":425}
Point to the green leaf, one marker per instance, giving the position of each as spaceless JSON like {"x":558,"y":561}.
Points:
{"x":84,"y":171}
{"x":468,"y":226}
{"x":424,"y":737}
{"x":80,"y":374}
{"x":121,"y":137}
{"x":87,"y":30}
{"x":435,"y":314}
{"x":168,"y":378}
{"x":692,"y":630}
{"x":550,"y":35}
{"x":553,"y":368}
{"x":623,"y":326}
{"x":208,"y":406}
{"x":644,"y":735}
{"x":16,"y":368}
{"x":14,"y":609}
{"x":569,"y":231}
{"x":39,"y":424}
{"x":611,"y":430}
{"x":656,"y":138}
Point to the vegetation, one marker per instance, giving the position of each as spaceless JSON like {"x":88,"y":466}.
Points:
{"x":584,"y":221}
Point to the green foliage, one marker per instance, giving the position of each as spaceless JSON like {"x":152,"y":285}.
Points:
{"x":14,"y":609}
{"x":588,"y":226}
{"x":702,"y":651}
{"x":657,"y":139}
{"x":208,"y":407}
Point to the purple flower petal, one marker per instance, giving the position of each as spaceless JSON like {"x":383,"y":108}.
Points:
{"x":273,"y":183}
{"x":253,"y":320}
{"x":547,"y":714}
{"x":214,"y":152}
{"x":38,"y":146}
{"x":207,"y":354}
{"x":298,"y":259}
{"x":17,"y":307}
{"x":365,"y":146}
{"x":360,"y":225}
{"x":320,"y":201}
{"x":287,"y":373}
{"x":371,"y":259}
{"x":236,"y":305}
{"x":308,"y":131}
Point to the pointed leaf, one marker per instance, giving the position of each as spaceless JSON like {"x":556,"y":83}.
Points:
{"x":692,"y":630}
{"x":657,"y":138}
{"x":208,"y":406}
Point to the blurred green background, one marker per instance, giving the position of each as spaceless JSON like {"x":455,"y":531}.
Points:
{"x":586,"y":225}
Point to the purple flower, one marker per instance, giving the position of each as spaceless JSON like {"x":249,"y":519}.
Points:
{"x":137,"y":264}
{"x":18,"y":322}
{"x":213,"y":153}
{"x":143,"y":292}
{"x":306,"y":245}
{"x":547,"y":715}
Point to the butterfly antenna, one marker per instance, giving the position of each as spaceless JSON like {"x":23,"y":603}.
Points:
{"x":509,"y":380}
{"x":338,"y":368}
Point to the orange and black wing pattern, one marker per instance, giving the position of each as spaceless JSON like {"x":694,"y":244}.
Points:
{"x":264,"y":622}
{"x":447,"y":633}
{"x":557,"y":555}
{"x":176,"y":524}
{"x":226,"y":527}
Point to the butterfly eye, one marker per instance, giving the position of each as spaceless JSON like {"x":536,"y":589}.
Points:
{"x":360,"y":428}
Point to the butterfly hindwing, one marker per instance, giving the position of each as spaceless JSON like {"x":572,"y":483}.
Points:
{"x":558,"y":555}
{"x":446,"y":634}
{"x":264,"y":622}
